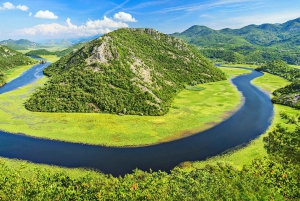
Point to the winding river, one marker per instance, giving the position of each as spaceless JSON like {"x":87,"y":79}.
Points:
{"x":250,"y":121}
{"x":32,"y":74}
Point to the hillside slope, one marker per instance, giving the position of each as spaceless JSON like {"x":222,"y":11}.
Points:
{"x":288,"y":95}
{"x":128,"y":71}
{"x":9,"y":59}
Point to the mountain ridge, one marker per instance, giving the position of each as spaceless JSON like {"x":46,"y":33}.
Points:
{"x":262,"y":34}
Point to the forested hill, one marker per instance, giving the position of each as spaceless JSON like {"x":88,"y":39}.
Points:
{"x":128,"y":71}
{"x":251,"y":44}
{"x":263,"y":35}
{"x":9,"y":59}
{"x":290,"y":94}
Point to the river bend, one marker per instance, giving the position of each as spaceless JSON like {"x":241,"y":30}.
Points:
{"x":250,"y":121}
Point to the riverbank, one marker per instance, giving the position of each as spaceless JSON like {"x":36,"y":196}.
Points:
{"x":191,"y":112}
{"x":238,"y":157}
{"x":241,"y":156}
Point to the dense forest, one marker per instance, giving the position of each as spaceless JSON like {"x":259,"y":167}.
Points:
{"x":250,"y":44}
{"x":10,"y":59}
{"x":128,"y":71}
{"x":288,"y":95}
{"x":276,"y":177}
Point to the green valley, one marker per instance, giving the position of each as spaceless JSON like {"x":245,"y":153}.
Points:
{"x":126,"y":113}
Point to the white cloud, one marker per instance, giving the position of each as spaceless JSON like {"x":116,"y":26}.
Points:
{"x":90,"y":28}
{"x":30,"y":14}
{"x":45,"y":14}
{"x":10,"y":6}
{"x":23,"y":8}
{"x":126,"y":17}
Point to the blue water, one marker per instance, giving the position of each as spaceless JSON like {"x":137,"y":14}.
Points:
{"x":31,"y":75}
{"x":250,"y":121}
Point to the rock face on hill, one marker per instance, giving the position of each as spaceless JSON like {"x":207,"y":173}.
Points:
{"x":128,"y":71}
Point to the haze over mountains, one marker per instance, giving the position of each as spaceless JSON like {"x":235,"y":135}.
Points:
{"x":21,"y":44}
{"x":24,"y":44}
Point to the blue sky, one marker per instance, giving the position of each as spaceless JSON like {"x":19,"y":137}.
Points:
{"x":51,"y":19}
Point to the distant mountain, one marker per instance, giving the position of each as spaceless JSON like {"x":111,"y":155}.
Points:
{"x":252,"y":43}
{"x":71,"y":49}
{"x":84,"y":39}
{"x":65,"y":42}
{"x":207,"y":37}
{"x":50,"y":43}
{"x":21,"y":44}
{"x":58,"y":43}
{"x":127,"y":71}
{"x":41,"y":52}
{"x":262,"y":35}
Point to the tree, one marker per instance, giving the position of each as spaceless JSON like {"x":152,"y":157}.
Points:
{"x":283,"y":144}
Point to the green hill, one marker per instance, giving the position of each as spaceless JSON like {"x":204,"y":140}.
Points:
{"x":207,"y":37}
{"x":256,"y":43}
{"x":251,"y":35}
{"x":128,"y":71}
{"x":21,"y":44}
{"x":288,"y":95}
{"x":10,"y":58}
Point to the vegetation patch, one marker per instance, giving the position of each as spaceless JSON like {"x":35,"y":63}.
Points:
{"x":288,"y":95}
{"x":250,"y":44}
{"x":239,"y":157}
{"x":275,"y":177}
{"x":191,"y":112}
{"x":128,"y":71}
{"x":194,"y":88}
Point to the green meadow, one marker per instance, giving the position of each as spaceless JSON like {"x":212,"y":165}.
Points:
{"x":237,"y":157}
{"x":255,"y":149}
{"x":192,"y":111}
{"x":295,"y":66}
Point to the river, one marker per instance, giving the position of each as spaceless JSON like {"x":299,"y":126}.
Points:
{"x":250,"y":121}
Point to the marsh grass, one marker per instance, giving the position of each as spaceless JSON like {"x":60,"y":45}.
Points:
{"x":255,"y":149}
{"x":191,"y":112}
{"x":238,"y":157}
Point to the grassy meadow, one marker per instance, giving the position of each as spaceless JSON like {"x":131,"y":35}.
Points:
{"x":238,"y":157}
{"x":191,"y":112}
{"x":255,"y":149}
